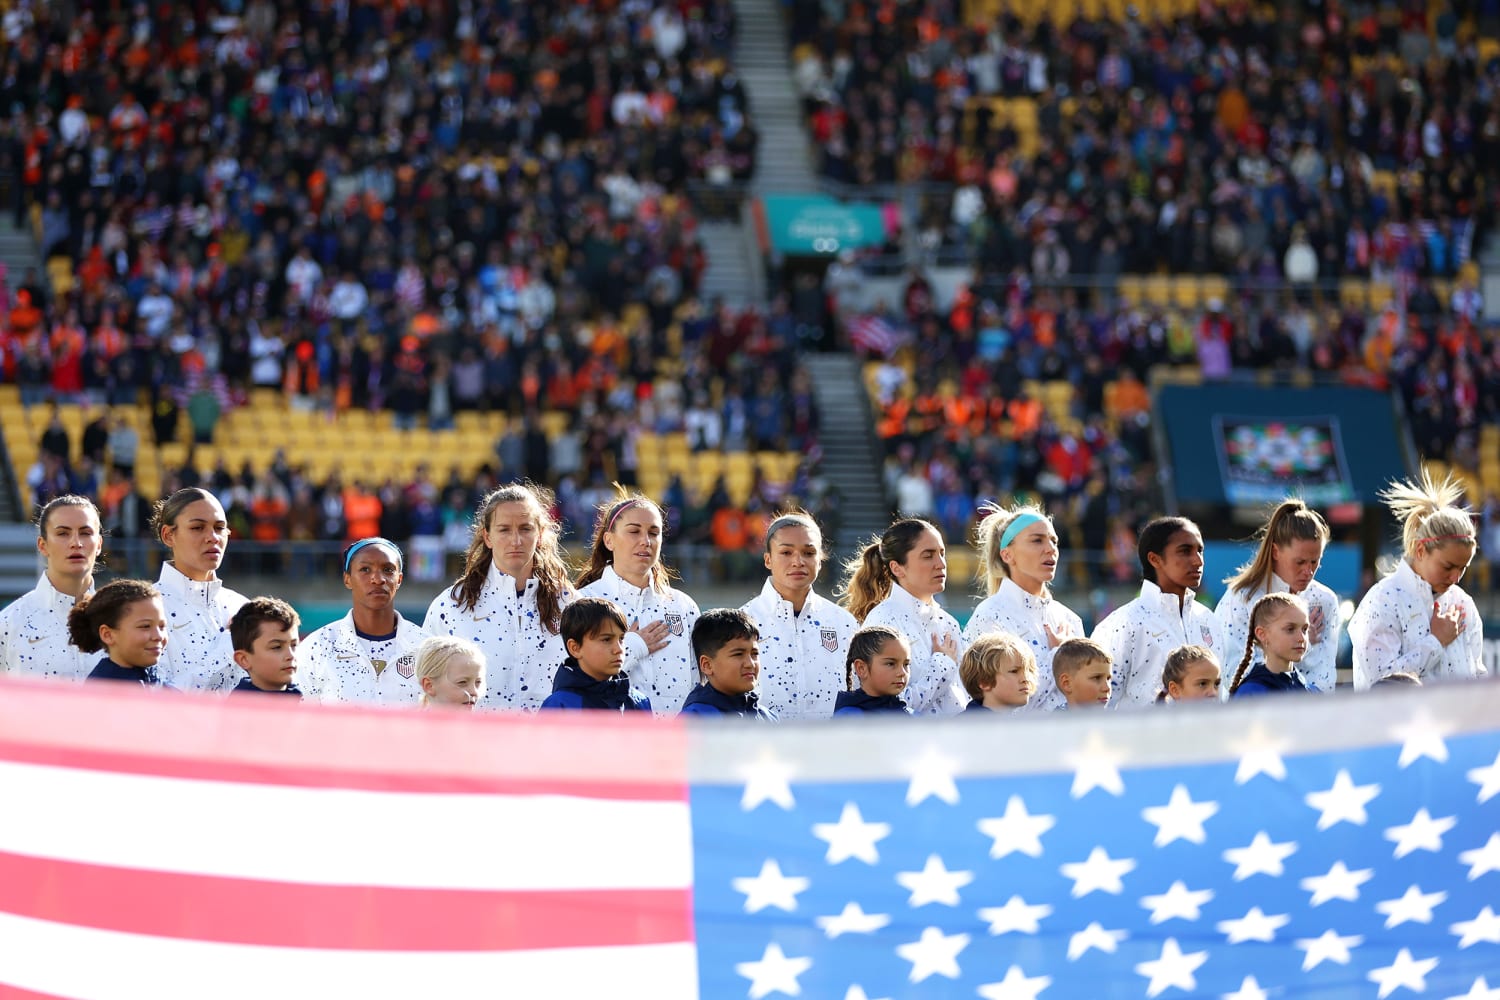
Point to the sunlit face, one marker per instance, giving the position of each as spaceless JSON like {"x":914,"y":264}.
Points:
{"x":1284,"y":635}
{"x":1442,"y":566}
{"x":734,"y":668}
{"x":198,"y":538}
{"x":887,"y":671}
{"x":460,"y":685}
{"x":1088,"y":685}
{"x":139,"y":634}
{"x":795,"y":558}
{"x":512,"y":536}
{"x":601,"y":654}
{"x":1013,"y":685}
{"x":374,"y":576}
{"x":1031,"y":556}
{"x":1179,"y":566}
{"x":70,"y":542}
{"x":634,"y":541}
{"x":924,"y":573}
{"x":1199,"y":682}
{"x":1297,"y":563}
{"x":271,"y":660}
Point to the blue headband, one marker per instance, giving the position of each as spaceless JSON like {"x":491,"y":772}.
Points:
{"x":1020,"y":524}
{"x":377,"y":540}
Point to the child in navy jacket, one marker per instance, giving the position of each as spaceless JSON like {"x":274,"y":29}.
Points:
{"x":592,"y":677}
{"x":726,"y":644}
{"x":880,"y":658}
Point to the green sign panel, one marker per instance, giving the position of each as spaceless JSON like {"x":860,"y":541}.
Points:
{"x":817,"y":224}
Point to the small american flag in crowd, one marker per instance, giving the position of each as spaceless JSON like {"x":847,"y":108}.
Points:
{"x":876,"y":334}
{"x":157,"y":846}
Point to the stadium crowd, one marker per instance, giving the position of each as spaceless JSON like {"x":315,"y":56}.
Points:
{"x":1290,"y":142}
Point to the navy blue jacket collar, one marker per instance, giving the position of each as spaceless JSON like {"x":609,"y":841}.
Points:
{"x":1261,"y":676}
{"x":869,"y":702}
{"x":612,"y":692}
{"x":730,"y":704}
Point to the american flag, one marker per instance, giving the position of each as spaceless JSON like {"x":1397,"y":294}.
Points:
{"x":876,"y":334}
{"x":172,"y":847}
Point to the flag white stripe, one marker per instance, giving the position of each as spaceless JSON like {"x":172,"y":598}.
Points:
{"x":108,"y":965}
{"x":345,"y":837}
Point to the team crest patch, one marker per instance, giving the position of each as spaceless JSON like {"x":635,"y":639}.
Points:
{"x":830,"y":639}
{"x":406,"y":666}
{"x":674,"y":624}
{"x":1208,"y":635}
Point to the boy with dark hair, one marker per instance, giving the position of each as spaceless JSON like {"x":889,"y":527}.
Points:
{"x":726,"y":644}
{"x":593,"y":676}
{"x":264,"y":634}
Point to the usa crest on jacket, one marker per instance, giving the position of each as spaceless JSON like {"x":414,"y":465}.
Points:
{"x":667,"y":675}
{"x":1011,"y":609}
{"x":521,"y":653}
{"x":1139,"y":635}
{"x":34,"y":636}
{"x":802,"y":656}
{"x":336,"y":664}
{"x":1392,"y":633}
{"x":199,"y":655}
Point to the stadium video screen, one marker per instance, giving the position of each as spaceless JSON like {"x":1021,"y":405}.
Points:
{"x":1263,"y":460}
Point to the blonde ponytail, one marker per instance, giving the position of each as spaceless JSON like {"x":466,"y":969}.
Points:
{"x":1429,"y":512}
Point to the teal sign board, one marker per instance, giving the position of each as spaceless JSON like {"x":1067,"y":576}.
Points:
{"x":811,"y":225}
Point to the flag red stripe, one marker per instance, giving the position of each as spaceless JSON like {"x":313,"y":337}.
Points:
{"x":16,"y":993}
{"x":117,"y":727}
{"x":367,"y":918}
{"x":288,"y":774}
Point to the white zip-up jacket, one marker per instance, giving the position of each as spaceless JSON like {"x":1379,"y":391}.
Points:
{"x":802,"y":656}
{"x":1319,"y":666}
{"x":669,"y":674}
{"x":1011,"y":609}
{"x":199,"y":655}
{"x":521,"y":653}
{"x":1139,"y":635}
{"x":934,"y":688}
{"x":1391,"y":632}
{"x":334,"y":665}
{"x":34,"y":636}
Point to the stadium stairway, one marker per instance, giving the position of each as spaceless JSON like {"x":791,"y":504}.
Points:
{"x":784,"y":163}
{"x":19,"y":564}
{"x":18,"y":251}
{"x":732,"y":274}
{"x":851,"y":454}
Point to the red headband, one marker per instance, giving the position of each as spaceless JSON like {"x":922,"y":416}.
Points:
{"x":1446,"y":538}
{"x":620,"y":510}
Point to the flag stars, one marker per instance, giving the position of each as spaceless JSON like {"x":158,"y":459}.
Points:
{"x":1339,"y":883}
{"x":1329,"y":947}
{"x":1098,"y":872}
{"x":1414,"y":906}
{"x":1017,"y":830}
{"x":934,"y":883}
{"x":770,"y":888}
{"x":932,"y":776}
{"x":1015,"y":986}
{"x":1171,"y":969}
{"x":1483,"y":860}
{"x":1344,"y":802}
{"x":1487,"y":778}
{"x":1096,"y":765}
{"x":1180,"y":819}
{"x":1253,"y":926}
{"x":767,"y":779}
{"x":1421,"y":737}
{"x":1249,"y":990}
{"x":1015,"y":915}
{"x":1485,"y":927}
{"x":851,"y":837}
{"x":1481,"y":990}
{"x":1423,"y":833}
{"x":1094,"y":936}
{"x":1177,"y":902}
{"x":1260,"y":753}
{"x":852,"y":920}
{"x":1261,"y":857}
{"x":935,"y":954}
{"x":774,"y":973}
{"x":1405,"y":972}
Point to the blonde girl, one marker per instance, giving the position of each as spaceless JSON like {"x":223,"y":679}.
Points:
{"x":1278,"y":628}
{"x":510,"y":598}
{"x":1291,"y":549}
{"x":450,"y":671}
{"x":1418,"y":620}
{"x":1191,"y":673}
{"x":625,"y":567}
{"x":894,"y":582}
{"x":1018,"y":553}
